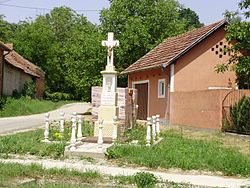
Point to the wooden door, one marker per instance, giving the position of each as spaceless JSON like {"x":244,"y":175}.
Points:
{"x":142,"y":100}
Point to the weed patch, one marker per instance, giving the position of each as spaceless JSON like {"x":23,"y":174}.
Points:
{"x":178,"y":152}
{"x":31,"y":142}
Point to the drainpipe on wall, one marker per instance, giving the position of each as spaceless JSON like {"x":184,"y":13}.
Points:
{"x":164,"y":70}
{"x":172,"y":77}
{"x":171,"y":88}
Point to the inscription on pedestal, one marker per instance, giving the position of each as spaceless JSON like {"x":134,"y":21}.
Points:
{"x":108,"y":99}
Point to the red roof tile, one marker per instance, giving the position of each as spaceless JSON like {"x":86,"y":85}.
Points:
{"x":172,"y":48}
{"x":18,"y":61}
{"x":4,"y":47}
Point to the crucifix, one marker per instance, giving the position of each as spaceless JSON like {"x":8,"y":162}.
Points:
{"x":108,"y":108}
{"x":110,"y":44}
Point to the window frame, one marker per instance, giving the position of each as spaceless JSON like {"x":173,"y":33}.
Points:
{"x":161,"y":94}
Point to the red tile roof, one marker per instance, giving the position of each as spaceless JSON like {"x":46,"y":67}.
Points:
{"x":172,"y":48}
{"x":4,"y":47}
{"x":18,"y":61}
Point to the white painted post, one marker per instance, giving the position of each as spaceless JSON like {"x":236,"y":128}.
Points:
{"x":62,"y":122}
{"x":158,"y":125}
{"x":148,"y":137}
{"x":73,"y":133}
{"x":114,"y":133}
{"x":46,"y":131}
{"x":153,"y":128}
{"x":136,"y":111}
{"x":79,"y":130}
{"x":100,"y":139}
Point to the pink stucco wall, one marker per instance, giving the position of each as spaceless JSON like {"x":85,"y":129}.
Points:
{"x":196,"y":70}
{"x":155,"y":105}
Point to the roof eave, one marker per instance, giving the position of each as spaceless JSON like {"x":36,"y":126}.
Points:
{"x":4,"y":47}
{"x":139,"y":70}
{"x":181,"y":53}
{"x":195,"y":43}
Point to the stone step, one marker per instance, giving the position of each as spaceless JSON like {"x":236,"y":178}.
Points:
{"x":106,"y":140}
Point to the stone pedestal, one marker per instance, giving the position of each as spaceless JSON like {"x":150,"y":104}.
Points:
{"x":108,"y":109}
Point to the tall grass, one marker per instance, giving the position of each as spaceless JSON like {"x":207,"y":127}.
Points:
{"x":26,"y":106}
{"x":30,"y":143}
{"x":11,"y":171}
{"x":178,"y":152}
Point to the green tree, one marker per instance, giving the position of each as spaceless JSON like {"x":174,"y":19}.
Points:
{"x":7,"y":30}
{"x":238,"y":35}
{"x":67,"y":47}
{"x":191,"y":18}
{"x":140,"y":25}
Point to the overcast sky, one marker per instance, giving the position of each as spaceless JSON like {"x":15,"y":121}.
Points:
{"x":209,"y":11}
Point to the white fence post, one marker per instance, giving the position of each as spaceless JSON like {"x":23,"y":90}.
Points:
{"x":136,"y":112}
{"x":79,"y":130}
{"x":158,"y":124}
{"x":46,"y":130}
{"x":73,"y":134}
{"x":148,"y":137}
{"x":153,"y":127}
{"x":62,"y":122}
{"x":100,"y":139}
{"x":114,"y":133}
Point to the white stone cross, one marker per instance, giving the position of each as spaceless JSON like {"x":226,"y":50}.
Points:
{"x":110,"y":44}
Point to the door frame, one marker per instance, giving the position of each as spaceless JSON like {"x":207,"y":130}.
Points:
{"x":143,"y":82}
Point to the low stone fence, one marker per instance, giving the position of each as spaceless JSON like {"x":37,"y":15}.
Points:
{"x":126,"y":103}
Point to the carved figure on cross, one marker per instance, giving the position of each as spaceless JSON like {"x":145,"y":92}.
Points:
{"x":110,"y":44}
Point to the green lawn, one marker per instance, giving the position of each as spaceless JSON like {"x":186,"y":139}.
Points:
{"x":176,"y":151}
{"x":25,"y":106}
{"x":31,"y":142}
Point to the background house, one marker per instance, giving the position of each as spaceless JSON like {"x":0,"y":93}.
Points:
{"x":15,"y":71}
{"x":177,"y":79}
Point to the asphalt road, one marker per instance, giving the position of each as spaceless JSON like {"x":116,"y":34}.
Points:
{"x":20,"y":123}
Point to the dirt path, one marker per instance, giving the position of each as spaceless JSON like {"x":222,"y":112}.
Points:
{"x":79,"y":165}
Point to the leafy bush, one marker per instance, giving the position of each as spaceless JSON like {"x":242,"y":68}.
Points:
{"x":2,"y":102}
{"x":240,"y":117}
{"x":145,"y":179}
{"x":29,"y":89}
{"x":16,"y":94}
{"x":57,"y":96}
